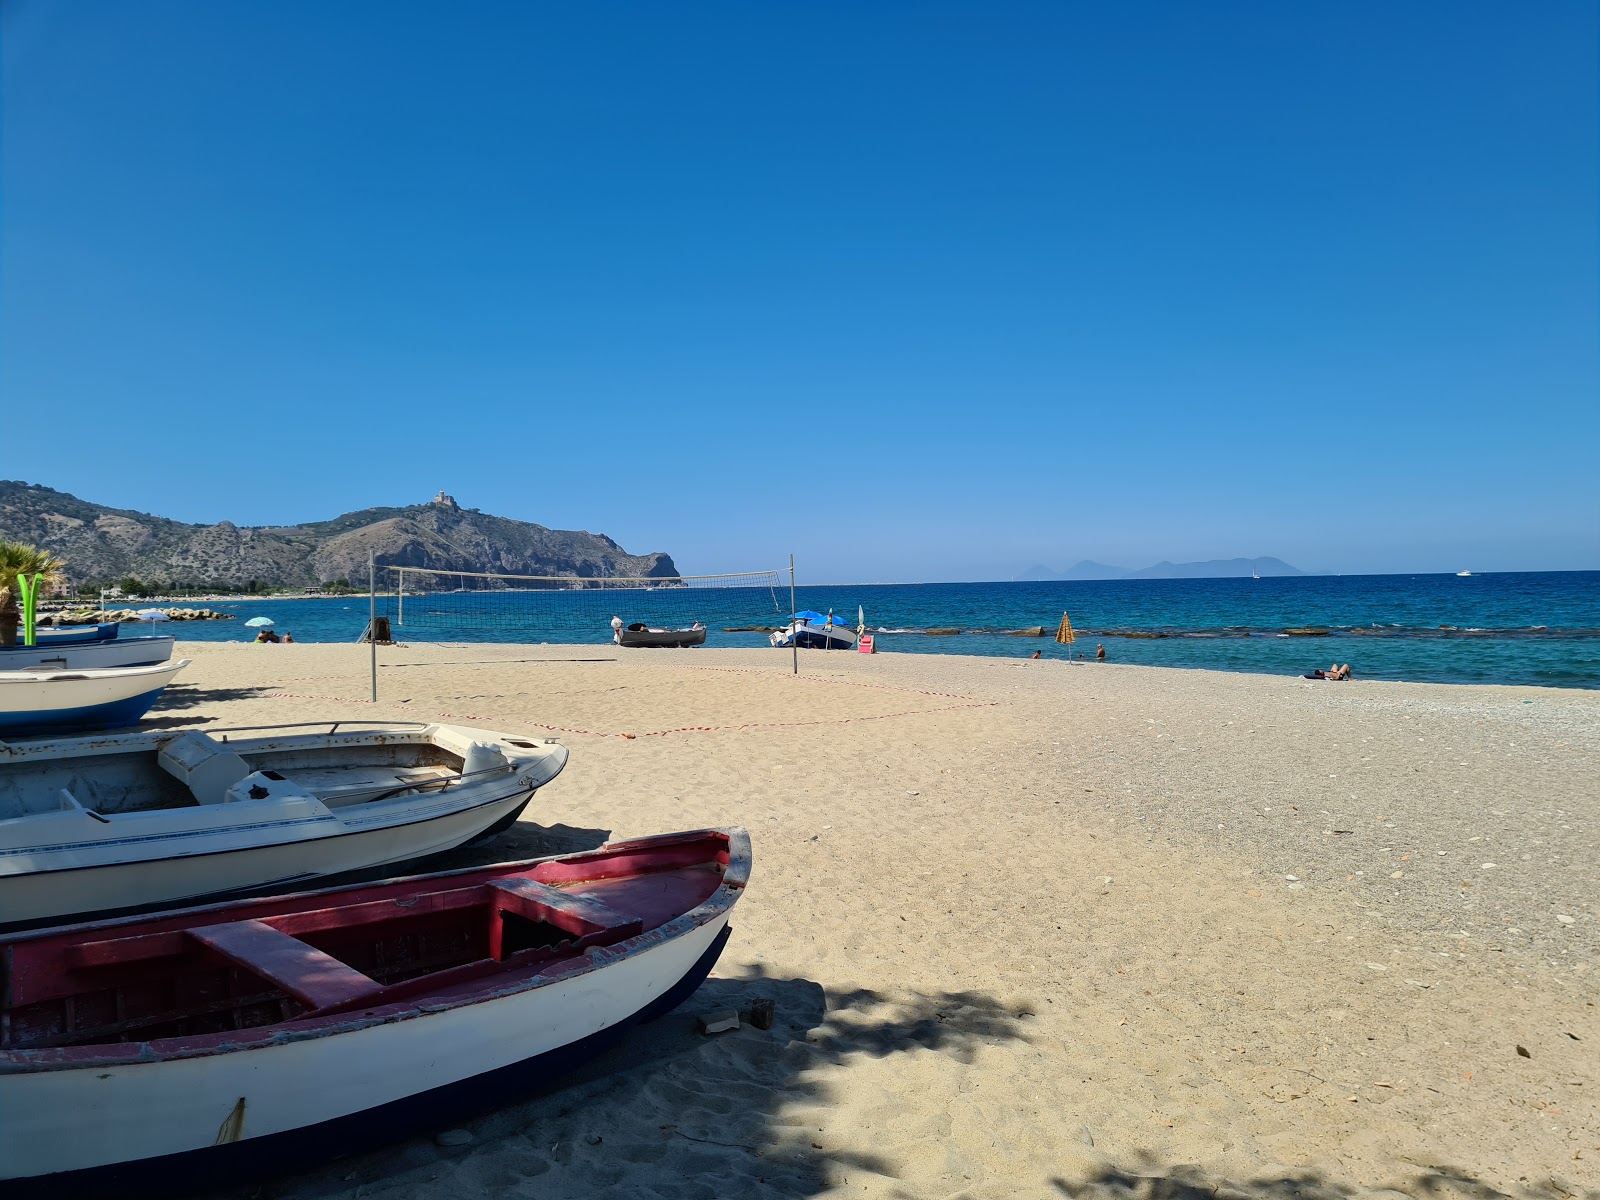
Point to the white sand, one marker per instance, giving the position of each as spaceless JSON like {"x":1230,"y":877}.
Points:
{"x":1042,"y":928}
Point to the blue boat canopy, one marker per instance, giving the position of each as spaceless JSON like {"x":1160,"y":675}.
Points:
{"x":817,"y":618}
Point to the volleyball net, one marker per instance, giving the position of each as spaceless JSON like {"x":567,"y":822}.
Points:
{"x":475,"y":606}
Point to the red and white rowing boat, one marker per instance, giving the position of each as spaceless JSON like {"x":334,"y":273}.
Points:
{"x":209,"y":1045}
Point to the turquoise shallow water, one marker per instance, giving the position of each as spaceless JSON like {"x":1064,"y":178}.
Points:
{"x":1529,"y":628}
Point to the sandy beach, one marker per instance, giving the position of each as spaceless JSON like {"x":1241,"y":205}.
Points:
{"x":1039,"y":928}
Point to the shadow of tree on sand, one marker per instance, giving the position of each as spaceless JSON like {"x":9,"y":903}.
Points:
{"x":1147,"y":1179}
{"x":669,"y":1111}
{"x":182,"y":696}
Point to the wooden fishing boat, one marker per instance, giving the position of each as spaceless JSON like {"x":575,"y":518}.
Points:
{"x":97,"y":824}
{"x":640,"y":634}
{"x":212,"y":1045}
{"x":45,"y":701}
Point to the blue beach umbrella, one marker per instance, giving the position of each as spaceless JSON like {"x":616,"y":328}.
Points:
{"x":809,"y":615}
{"x":258,"y":622}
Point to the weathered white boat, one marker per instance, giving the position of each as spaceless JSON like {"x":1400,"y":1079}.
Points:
{"x":211,"y":1045}
{"x":96,"y":824}
{"x":63,"y":654}
{"x":822,"y":634}
{"x":42,"y":701}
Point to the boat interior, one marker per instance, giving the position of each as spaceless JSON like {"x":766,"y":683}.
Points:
{"x":195,"y":769}
{"x":231,"y":967}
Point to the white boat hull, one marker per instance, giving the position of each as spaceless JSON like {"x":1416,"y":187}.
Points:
{"x":89,"y":832}
{"x":96,"y":698}
{"x":329,"y":847}
{"x":55,"y":1121}
{"x":814,"y":637}
{"x":118,"y":652}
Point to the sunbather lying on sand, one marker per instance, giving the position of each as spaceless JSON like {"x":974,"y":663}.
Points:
{"x":1336,"y":671}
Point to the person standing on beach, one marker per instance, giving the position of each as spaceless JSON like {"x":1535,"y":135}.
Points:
{"x":1100,"y":653}
{"x":616,"y":629}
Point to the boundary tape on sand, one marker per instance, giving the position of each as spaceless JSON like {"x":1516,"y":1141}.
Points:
{"x":856,"y":683}
{"x":452,"y":716}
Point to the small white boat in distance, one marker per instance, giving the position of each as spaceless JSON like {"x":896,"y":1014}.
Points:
{"x":49,"y":701}
{"x":97,"y":824}
{"x":1463,"y":574}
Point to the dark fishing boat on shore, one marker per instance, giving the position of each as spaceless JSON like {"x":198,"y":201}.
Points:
{"x":639,"y":634}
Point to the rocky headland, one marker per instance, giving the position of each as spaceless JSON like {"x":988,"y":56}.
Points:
{"x":101,"y":544}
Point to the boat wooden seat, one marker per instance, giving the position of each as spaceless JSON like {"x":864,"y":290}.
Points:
{"x":581,"y":916}
{"x":205,"y":765}
{"x":316,"y":979}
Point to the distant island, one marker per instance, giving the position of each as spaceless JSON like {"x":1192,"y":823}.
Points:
{"x":103,"y":545}
{"x":1211,"y":568}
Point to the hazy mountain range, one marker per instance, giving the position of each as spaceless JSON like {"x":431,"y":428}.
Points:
{"x":103,"y":544}
{"x":1211,"y":568}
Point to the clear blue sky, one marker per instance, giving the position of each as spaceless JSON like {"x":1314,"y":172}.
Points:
{"x":915,"y":290}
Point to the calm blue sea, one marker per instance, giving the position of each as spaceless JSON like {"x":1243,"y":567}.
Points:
{"x":1531,"y":628}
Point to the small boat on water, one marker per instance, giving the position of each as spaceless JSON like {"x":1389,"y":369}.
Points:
{"x":97,"y":824}
{"x":814,"y":631}
{"x":208,"y":1046}
{"x":640,"y":634}
{"x":43,"y":700}
{"x":1463,"y":574}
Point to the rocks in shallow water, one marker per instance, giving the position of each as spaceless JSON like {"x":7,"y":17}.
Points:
{"x":175,"y":614}
{"x":95,"y":616}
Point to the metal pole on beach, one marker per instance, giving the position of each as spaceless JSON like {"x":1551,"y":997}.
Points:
{"x":793,"y":645}
{"x":372,"y":619}
{"x":400,"y":617}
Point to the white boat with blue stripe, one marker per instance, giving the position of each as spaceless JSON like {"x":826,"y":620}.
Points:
{"x":46,"y":701}
{"x":93,"y":646}
{"x":91,"y":825}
